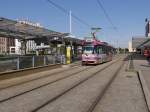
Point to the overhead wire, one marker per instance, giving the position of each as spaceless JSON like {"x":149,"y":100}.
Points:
{"x":109,"y":19}
{"x":67,"y":12}
{"x":106,"y":15}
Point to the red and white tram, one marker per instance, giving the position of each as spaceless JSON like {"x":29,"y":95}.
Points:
{"x":96,"y":52}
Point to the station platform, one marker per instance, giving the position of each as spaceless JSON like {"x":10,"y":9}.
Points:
{"x":142,"y":66}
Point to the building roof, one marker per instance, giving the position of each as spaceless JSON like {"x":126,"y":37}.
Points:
{"x":146,"y":43}
{"x":15,"y":29}
{"x":18,"y":30}
{"x":137,"y":41}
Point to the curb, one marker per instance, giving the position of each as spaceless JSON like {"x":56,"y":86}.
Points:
{"x":75,"y":63}
{"x":71,"y":64}
{"x":145,"y":89}
{"x":27,"y":69}
{"x":129,"y":67}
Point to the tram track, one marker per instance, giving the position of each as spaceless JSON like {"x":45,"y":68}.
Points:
{"x":39,"y":77}
{"x":122,"y":94}
{"x":90,"y":109}
{"x":26,"y":91}
{"x":99,"y":97}
{"x":27,"y":71}
{"x":56,"y":97}
{"x":62,"y":93}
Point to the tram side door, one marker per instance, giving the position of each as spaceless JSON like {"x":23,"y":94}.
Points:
{"x":101,"y":54}
{"x":104,"y":56}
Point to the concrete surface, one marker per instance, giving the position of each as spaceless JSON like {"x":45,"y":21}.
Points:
{"x":81,"y":98}
{"x":124,"y":95}
{"x":31,"y":100}
{"x":142,"y":66}
{"x":144,"y":76}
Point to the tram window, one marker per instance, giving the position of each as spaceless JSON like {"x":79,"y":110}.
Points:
{"x":95,"y":49}
{"x":88,"y":49}
{"x":104,"y":50}
{"x":100,"y":50}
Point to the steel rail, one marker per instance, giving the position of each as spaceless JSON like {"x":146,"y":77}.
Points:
{"x":51,"y":74}
{"x":64,"y":92}
{"x":46,"y":84}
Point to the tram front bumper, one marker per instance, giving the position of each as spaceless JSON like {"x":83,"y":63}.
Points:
{"x":89,"y":62}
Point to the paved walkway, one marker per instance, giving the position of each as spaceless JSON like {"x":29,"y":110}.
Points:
{"x":140,"y":63}
{"x":143,"y":67}
{"x":124,"y":94}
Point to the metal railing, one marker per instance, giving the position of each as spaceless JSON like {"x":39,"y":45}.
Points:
{"x":23,"y":62}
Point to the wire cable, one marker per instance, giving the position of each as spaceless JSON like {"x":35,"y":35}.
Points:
{"x":67,"y":12}
{"x":106,"y":14}
{"x":108,"y":18}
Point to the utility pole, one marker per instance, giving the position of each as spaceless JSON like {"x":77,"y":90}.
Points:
{"x":117,"y":47}
{"x":70,"y":21}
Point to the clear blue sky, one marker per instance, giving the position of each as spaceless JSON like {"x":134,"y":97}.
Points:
{"x":127,"y":15}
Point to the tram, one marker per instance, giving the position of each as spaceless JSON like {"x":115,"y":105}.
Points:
{"x":147,"y":52}
{"x":96,"y":52}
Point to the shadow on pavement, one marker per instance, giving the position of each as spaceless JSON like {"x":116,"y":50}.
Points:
{"x":145,"y":65}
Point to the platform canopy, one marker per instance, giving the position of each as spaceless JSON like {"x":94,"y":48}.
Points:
{"x":145,"y":44}
{"x":15,"y":29}
{"x":137,"y":41}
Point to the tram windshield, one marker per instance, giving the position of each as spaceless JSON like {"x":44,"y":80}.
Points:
{"x":88,"y":49}
{"x":93,"y":50}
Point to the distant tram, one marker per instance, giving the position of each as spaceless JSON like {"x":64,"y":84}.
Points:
{"x":96,"y":52}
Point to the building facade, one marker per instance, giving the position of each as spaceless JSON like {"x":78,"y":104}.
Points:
{"x":3,"y":48}
{"x":130,"y":46}
{"x":5,"y":44}
{"x":147,"y":29}
{"x":31,"y":45}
